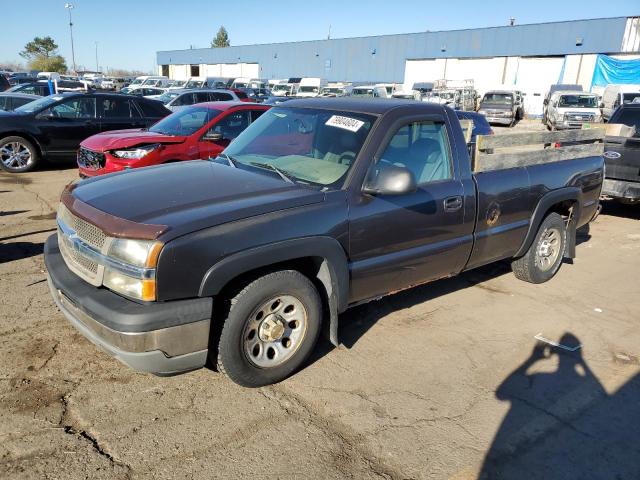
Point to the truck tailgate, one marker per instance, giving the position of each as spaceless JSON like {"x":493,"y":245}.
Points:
{"x":622,"y":158}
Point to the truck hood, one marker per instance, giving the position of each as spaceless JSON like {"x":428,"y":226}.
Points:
{"x":127,"y":138}
{"x":190,"y":196}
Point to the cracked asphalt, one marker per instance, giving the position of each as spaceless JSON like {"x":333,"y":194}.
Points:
{"x":444,"y":381}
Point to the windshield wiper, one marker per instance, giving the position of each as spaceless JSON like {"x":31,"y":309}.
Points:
{"x":268,"y":166}
{"x":230,"y":160}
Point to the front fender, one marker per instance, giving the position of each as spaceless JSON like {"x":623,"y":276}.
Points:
{"x":333,"y":271}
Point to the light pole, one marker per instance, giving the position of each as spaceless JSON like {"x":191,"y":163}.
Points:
{"x":97,"y":68}
{"x":69,"y":6}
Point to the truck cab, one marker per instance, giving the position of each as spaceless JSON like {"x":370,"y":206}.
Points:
{"x":311,"y":87}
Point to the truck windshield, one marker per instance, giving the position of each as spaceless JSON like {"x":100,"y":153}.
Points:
{"x":578,"y":101}
{"x":280,"y":88}
{"x":311,"y":146}
{"x":309,"y":89}
{"x":500,"y":98}
{"x":137,"y":81}
{"x":185,"y":122}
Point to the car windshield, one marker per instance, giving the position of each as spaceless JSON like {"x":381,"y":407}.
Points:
{"x":167,"y":97}
{"x":311,"y":146}
{"x":39,"y":104}
{"x":578,"y":101}
{"x":137,"y":81}
{"x":630,"y":97}
{"x":185,"y":122}
{"x":499,"y":98}
{"x":280,"y":88}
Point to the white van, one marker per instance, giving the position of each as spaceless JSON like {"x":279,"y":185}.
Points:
{"x":149,"y":81}
{"x":572,"y":110}
{"x":311,"y":86}
{"x":616,"y":95}
{"x":284,"y":90}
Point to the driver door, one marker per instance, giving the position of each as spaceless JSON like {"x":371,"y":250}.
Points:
{"x":397,"y":241}
{"x":66,"y":124}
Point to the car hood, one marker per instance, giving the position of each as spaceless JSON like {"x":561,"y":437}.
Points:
{"x":127,"y":138}
{"x":189,"y":196}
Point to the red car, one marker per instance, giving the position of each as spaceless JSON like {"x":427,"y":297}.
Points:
{"x":198,"y":131}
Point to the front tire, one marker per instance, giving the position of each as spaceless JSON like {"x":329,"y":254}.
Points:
{"x":544,"y":256}
{"x":18,"y":155}
{"x":270,"y":330}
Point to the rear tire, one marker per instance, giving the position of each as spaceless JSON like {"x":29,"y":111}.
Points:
{"x":18,"y":155}
{"x":270,"y":330}
{"x":544,"y":256}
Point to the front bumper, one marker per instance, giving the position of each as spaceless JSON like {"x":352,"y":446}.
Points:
{"x":621,"y":189}
{"x":500,"y":120}
{"x":163,"y":338}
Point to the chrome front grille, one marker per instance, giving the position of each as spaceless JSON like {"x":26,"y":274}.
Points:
{"x":579,"y":117}
{"x":78,"y":262}
{"x":90,"y":159}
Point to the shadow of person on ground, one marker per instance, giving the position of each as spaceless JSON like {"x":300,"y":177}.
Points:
{"x":562,"y":424}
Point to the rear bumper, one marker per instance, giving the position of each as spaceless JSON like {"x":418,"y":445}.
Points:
{"x":621,"y":189}
{"x":164,"y":338}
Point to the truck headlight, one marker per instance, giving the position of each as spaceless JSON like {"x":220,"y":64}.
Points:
{"x":135,"y":153}
{"x":508,"y":114}
{"x":132,"y":269}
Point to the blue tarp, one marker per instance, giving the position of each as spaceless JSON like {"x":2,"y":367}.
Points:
{"x":610,"y":70}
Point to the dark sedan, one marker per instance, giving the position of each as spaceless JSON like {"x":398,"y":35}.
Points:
{"x":52,"y":127}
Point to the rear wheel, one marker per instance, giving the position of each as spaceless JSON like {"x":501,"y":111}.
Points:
{"x":17,"y":155}
{"x":270,"y":330}
{"x":544,"y":257}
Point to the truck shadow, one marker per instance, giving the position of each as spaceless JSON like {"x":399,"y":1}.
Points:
{"x":617,"y":209}
{"x":10,"y":252}
{"x":562,"y":424}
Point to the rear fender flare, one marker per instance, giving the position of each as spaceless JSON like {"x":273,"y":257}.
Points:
{"x":333,"y":271}
{"x":544,"y":205}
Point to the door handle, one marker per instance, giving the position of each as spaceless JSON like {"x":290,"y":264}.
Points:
{"x":452,"y":204}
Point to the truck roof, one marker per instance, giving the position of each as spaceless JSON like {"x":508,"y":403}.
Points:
{"x":374,"y":106}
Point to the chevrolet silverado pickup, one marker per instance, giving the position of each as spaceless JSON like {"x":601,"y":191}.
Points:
{"x":242,"y":260}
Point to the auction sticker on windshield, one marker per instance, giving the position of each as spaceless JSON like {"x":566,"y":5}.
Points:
{"x":346,"y":123}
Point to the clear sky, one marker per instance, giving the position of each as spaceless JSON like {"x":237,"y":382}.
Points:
{"x":129,"y":32}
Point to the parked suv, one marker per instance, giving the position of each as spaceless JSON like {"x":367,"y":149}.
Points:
{"x":53,"y":127}
{"x":500,"y":106}
{"x":176,"y":99}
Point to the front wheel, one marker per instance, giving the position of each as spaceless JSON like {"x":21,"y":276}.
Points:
{"x":17,"y":154}
{"x":544,"y":257}
{"x":270,"y":330}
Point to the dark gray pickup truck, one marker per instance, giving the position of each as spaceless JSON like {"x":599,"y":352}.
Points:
{"x":319,"y":205}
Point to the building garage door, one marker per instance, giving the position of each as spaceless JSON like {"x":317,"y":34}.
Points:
{"x":534,"y":76}
{"x":485,"y":72}
{"x":423,"y":71}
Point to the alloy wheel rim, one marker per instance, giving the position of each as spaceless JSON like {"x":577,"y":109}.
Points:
{"x":548,"y":249}
{"x":274,"y":331}
{"x":15,"y":155}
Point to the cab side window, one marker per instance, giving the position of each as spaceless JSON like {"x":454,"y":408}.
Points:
{"x":423,"y":148}
{"x":75,"y":108}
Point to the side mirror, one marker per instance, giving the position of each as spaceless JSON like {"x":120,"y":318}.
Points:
{"x":212,"y":137}
{"x":390,"y":180}
{"x":601,"y":105}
